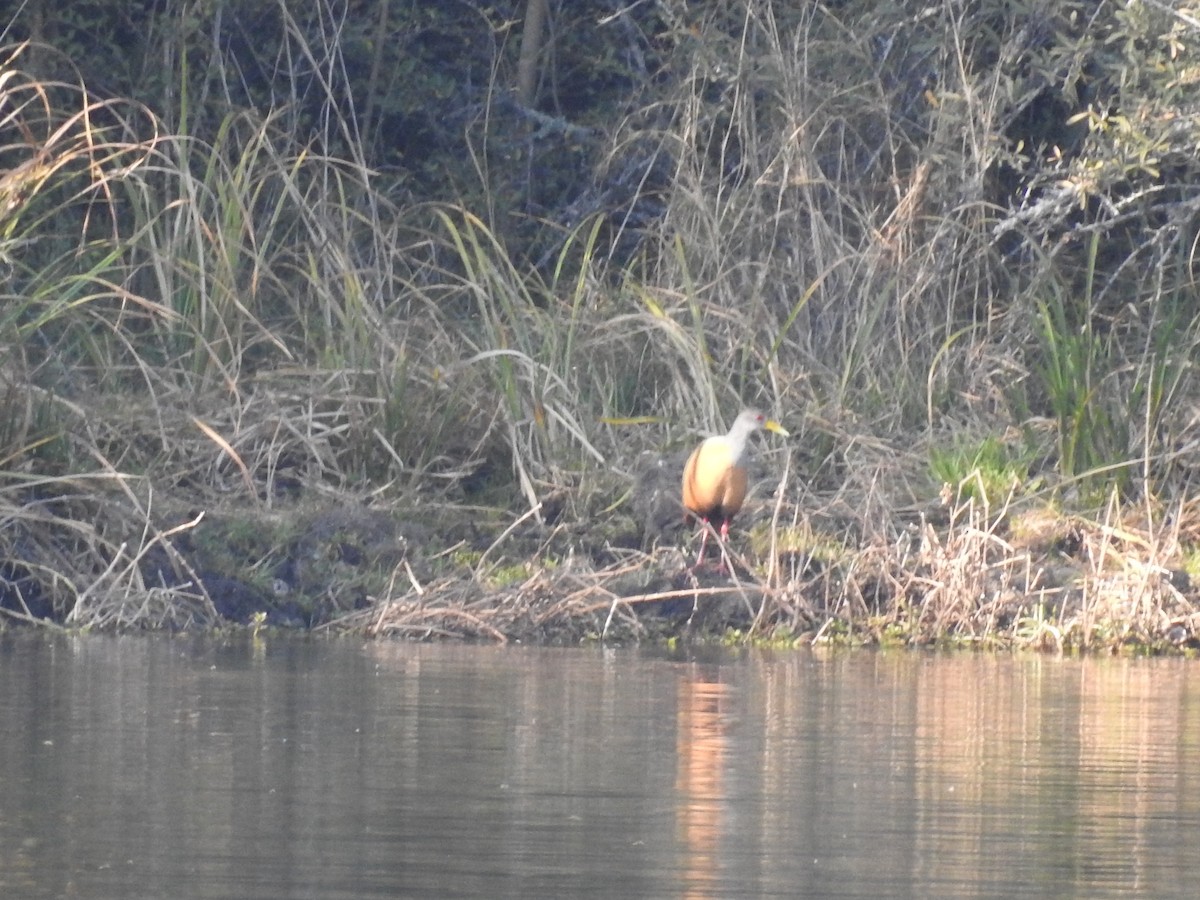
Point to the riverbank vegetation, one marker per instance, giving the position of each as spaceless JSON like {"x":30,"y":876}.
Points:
{"x":402,"y":321}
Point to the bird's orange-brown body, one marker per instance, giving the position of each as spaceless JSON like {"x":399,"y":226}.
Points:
{"x":714,"y":485}
{"x":714,"y":477}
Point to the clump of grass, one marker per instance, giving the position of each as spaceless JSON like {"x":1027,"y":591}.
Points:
{"x":987,"y":471}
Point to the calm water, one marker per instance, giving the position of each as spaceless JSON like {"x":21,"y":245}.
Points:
{"x":154,"y":767}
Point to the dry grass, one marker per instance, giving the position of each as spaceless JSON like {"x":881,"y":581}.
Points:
{"x":250,"y":327}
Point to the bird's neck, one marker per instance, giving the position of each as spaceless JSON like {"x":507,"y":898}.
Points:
{"x":737,"y":448}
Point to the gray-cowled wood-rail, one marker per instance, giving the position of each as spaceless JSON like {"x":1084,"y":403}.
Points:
{"x":714,"y":478}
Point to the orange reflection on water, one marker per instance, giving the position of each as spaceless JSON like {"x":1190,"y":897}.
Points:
{"x":702,"y":749}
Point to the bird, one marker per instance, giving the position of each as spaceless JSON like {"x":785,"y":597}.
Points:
{"x":714,"y":477}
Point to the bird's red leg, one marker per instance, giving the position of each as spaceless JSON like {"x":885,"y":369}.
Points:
{"x":721,"y":569}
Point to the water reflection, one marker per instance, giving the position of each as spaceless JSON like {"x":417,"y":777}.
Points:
{"x":985,"y":776}
{"x":151,"y":767}
{"x":1091,"y":757}
{"x":701,"y":759}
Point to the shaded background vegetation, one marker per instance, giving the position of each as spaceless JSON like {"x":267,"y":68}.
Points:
{"x":254,"y":244}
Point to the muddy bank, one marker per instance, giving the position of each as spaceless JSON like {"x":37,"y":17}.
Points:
{"x":958,"y":574}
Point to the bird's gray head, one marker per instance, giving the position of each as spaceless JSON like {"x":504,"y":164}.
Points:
{"x":748,"y":422}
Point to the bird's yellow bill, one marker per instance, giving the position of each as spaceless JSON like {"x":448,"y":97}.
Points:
{"x":772,"y":425}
